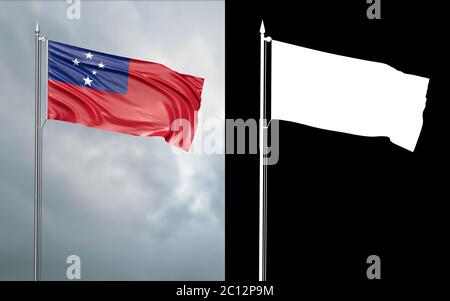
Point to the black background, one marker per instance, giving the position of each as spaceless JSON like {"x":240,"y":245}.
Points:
{"x":334,"y":199}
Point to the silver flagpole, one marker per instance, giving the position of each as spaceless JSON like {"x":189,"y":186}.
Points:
{"x":262,"y":163}
{"x":37,"y":158}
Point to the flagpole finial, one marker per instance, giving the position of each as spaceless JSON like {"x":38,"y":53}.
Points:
{"x":37,"y":30}
{"x":262,"y":30}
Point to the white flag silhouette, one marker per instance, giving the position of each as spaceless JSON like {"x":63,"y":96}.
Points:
{"x":345,"y":94}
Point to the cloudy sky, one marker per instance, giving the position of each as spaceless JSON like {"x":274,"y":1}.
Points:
{"x":130,"y":207}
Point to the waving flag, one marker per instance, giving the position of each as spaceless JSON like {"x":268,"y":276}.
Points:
{"x":344,"y":94}
{"x":123,"y":95}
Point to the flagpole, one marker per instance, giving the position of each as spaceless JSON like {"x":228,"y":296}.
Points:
{"x":37,"y":159}
{"x":262,"y":165}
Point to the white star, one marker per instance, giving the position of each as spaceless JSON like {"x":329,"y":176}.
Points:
{"x":89,"y":55}
{"x":87,"y":81}
{"x":76,"y":62}
{"x":94,"y":72}
{"x":101,"y":65}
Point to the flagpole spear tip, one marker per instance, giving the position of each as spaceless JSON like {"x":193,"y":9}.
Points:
{"x":262,"y":30}
{"x":37,"y":30}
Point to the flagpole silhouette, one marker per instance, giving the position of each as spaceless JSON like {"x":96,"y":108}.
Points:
{"x":263,"y":126}
{"x":38,"y":135}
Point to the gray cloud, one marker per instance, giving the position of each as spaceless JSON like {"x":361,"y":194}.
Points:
{"x":128,"y":206}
